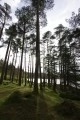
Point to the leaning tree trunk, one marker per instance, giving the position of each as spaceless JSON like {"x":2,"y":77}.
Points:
{"x":3,"y":68}
{"x":1,"y":31}
{"x":6,"y":66}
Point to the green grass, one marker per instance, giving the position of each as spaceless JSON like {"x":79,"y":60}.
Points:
{"x":7,"y":90}
{"x":20,"y":103}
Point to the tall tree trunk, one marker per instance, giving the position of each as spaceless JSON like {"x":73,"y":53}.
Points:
{"x":1,"y":32}
{"x":41,"y":86}
{"x":37,"y":49}
{"x":48,"y":74}
{"x":3,"y":68}
{"x":43,"y":75}
{"x":51,"y":74}
{"x":20,"y":74}
{"x":32,"y":70}
{"x":13,"y":74}
{"x":11,"y":71}
{"x":40,"y":75}
{"x":75,"y":79}
{"x":54,"y":85}
{"x":25,"y":69}
{"x":67,"y":79}
{"x":6,"y":66}
{"x":28,"y":73}
{"x":64,"y":76}
{"x":17,"y":74}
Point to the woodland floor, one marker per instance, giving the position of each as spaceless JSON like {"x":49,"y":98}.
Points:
{"x":19,"y":103}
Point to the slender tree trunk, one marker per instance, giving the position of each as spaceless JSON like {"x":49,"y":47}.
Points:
{"x":25,"y":69}
{"x":30,"y":77}
{"x":40,"y":70}
{"x":1,"y":32}
{"x":54,"y":85}
{"x":43,"y":75}
{"x":13,"y":74}
{"x":41,"y":86}
{"x":65,"y":68}
{"x":68,"y":77}
{"x":48,"y":74}
{"x":64,"y":76}
{"x":11,"y":71}
{"x":32,"y":70}
{"x":60,"y":66}
{"x":51,"y":74}
{"x":20,"y":74}
{"x":75,"y":75}
{"x":28,"y":72}
{"x":17,"y":74}
{"x":3,"y":68}
{"x":6,"y":66}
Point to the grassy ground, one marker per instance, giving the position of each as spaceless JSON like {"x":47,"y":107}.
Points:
{"x":19,"y":103}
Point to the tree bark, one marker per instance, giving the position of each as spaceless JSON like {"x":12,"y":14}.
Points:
{"x":3,"y":68}
{"x":13,"y":74}
{"x":20,"y":74}
{"x":25,"y":69}
{"x":37,"y":49}
{"x":6,"y":66}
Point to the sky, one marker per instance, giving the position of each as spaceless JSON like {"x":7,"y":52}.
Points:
{"x":61,"y":11}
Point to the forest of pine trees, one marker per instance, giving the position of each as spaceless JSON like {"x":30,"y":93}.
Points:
{"x":41,"y":57}
{"x":40,"y":71}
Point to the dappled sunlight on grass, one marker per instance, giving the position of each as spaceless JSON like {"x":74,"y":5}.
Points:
{"x":52,"y":97}
{"x":20,"y":103}
{"x":27,"y":106}
{"x":7,"y":90}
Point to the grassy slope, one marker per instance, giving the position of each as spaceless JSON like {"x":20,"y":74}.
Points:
{"x":19,"y":103}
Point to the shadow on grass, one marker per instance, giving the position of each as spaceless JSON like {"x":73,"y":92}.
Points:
{"x":70,"y":95}
{"x":24,"y":106}
{"x":68,"y":110}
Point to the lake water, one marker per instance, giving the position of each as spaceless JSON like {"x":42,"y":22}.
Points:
{"x":58,"y":82}
{"x":46,"y":80}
